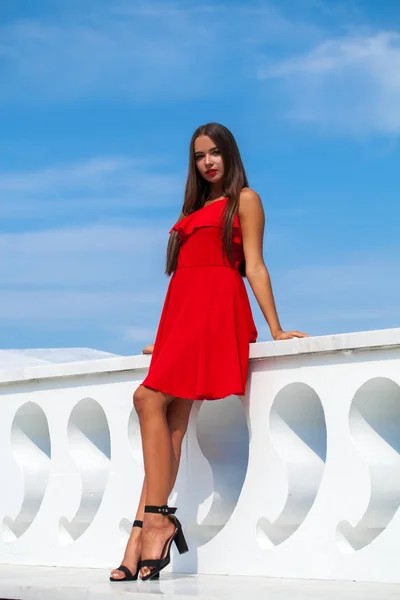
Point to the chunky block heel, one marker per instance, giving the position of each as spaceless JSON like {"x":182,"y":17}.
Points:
{"x":159,"y":564}
{"x":180,"y":541}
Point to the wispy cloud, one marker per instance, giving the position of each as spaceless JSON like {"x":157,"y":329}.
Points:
{"x":91,"y":257}
{"x":69,"y":306}
{"x":90,"y":175}
{"x":349,"y":84}
{"x":134,"y":56}
{"x":341,"y":295}
{"x":134,"y":51}
{"x":368,"y":275}
{"x":90,"y":263}
{"x":94,"y":272}
{"x":89,"y":187}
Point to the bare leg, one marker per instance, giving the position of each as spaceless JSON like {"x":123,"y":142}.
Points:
{"x":158,"y":528}
{"x":178,"y":412}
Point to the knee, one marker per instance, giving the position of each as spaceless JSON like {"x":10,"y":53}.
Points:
{"x":139,"y":399}
{"x":149,"y":403}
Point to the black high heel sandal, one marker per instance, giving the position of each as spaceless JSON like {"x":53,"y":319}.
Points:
{"x":177,"y":537}
{"x":127,"y":572}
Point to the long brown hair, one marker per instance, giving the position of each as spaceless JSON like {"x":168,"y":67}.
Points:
{"x":197,"y":190}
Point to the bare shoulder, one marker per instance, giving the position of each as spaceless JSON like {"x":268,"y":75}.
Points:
{"x":249,"y":203}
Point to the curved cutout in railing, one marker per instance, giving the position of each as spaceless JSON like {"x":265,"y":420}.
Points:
{"x":89,"y":440}
{"x":223,"y":439}
{"x":135,"y":438}
{"x":125,"y":529}
{"x":375,"y":428}
{"x":135,"y":445}
{"x":298,"y":433}
{"x":30,"y":443}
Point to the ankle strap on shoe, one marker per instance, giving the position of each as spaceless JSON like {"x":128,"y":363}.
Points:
{"x":137,"y":524}
{"x":161,"y":510}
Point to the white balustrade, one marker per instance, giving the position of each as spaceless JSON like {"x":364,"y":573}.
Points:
{"x":299,"y":479}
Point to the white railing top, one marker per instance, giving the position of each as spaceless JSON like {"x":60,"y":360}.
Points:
{"x":362,"y":340}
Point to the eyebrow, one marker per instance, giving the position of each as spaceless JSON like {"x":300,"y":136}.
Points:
{"x":210,"y":150}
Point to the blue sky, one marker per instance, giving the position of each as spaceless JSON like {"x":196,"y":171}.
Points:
{"x":98,"y":101}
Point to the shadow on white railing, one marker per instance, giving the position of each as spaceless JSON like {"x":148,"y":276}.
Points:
{"x":299,"y":479}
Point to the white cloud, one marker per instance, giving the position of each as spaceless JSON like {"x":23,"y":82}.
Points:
{"x":137,"y":51}
{"x":133,"y":56}
{"x":348,"y":84}
{"x":105,"y":284}
{"x":370,"y":275}
{"x":110,"y":280}
{"x":28,"y":305}
{"x":93,"y":255}
{"x":91,"y":175}
{"x":363,"y":292}
{"x":110,"y":274}
{"x":95,"y":184}
{"x":354,"y":295}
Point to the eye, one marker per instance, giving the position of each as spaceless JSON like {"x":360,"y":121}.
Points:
{"x":198,"y":157}
{"x":216,"y":152}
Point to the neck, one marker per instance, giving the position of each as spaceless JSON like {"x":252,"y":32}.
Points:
{"x":216,"y":191}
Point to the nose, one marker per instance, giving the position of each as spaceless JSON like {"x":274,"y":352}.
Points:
{"x":208,"y":161}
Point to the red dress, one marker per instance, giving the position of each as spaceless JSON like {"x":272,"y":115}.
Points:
{"x":201,"y":350}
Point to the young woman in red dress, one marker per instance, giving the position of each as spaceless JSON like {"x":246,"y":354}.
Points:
{"x":202,"y":345}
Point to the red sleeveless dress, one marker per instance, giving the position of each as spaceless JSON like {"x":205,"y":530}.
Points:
{"x":201,"y":350}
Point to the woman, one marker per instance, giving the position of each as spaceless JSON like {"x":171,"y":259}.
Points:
{"x":202,"y":345}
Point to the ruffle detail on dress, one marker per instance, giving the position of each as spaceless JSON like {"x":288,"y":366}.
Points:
{"x":205,"y":218}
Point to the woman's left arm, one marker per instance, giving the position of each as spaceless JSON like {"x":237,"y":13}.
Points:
{"x":251,"y":215}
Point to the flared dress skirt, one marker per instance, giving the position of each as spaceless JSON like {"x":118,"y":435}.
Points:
{"x":201,"y":350}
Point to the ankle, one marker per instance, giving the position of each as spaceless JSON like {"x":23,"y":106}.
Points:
{"x":136,"y":533}
{"x":154,"y":521}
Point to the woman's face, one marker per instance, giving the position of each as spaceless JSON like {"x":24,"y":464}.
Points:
{"x":208,"y":159}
